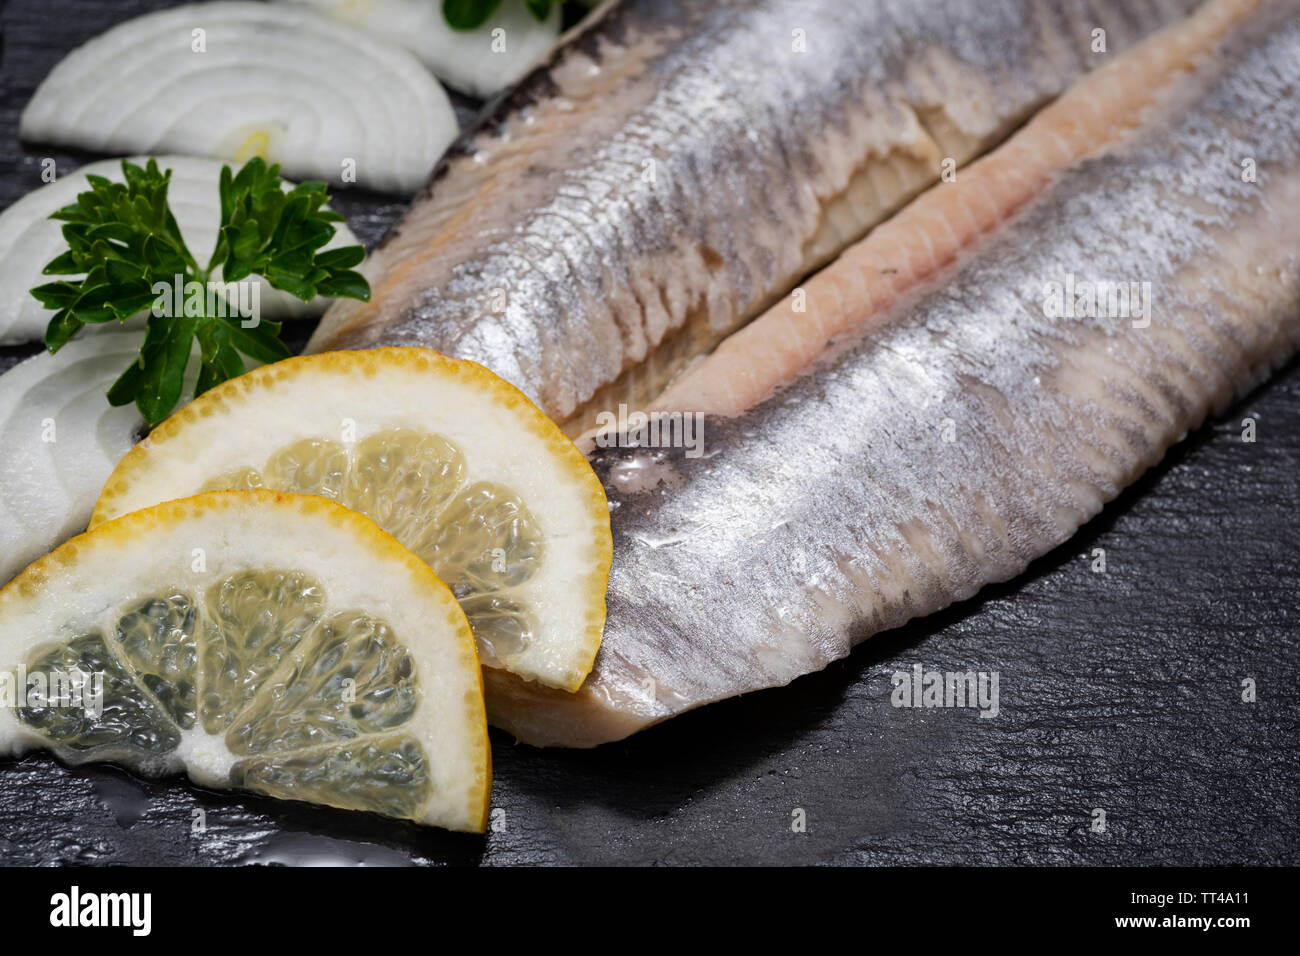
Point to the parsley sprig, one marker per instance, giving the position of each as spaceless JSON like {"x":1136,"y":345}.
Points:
{"x":123,"y":242}
{"x":472,"y":14}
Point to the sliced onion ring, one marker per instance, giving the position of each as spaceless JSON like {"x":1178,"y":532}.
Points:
{"x":235,"y":80}
{"x":481,"y":62}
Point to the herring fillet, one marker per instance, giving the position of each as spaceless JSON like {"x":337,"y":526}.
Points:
{"x":680,"y":164}
{"x":836,"y":509}
{"x":856,"y":290}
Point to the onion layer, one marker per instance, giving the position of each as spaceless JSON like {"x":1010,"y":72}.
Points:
{"x":237,"y":80}
{"x":480,"y":62}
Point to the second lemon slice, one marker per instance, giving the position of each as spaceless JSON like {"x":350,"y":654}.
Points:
{"x":444,"y":455}
{"x":259,"y":641}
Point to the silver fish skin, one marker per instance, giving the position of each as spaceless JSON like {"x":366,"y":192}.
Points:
{"x":837,"y":509}
{"x":682,"y":163}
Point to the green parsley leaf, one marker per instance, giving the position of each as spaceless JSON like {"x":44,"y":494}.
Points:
{"x":468,"y":14}
{"x":541,"y":9}
{"x":125,"y":247}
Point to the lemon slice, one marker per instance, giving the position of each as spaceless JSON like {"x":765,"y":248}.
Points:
{"x":451,"y":460}
{"x":256,"y":640}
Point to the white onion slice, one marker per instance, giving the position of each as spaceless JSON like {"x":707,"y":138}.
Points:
{"x":324,"y":101}
{"x":61,"y":441}
{"x":480,"y":62}
{"x":29,"y":239}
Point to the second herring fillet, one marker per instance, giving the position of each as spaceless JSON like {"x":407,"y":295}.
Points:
{"x":857,"y":289}
{"x":974,"y":427}
{"x":681,"y":164}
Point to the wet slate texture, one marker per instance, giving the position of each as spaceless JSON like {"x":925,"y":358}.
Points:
{"x":1120,"y":691}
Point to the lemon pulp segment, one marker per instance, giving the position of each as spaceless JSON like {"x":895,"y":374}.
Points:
{"x":478,"y":536}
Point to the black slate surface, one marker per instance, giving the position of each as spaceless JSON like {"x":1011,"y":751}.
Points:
{"x":1120,"y":691}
